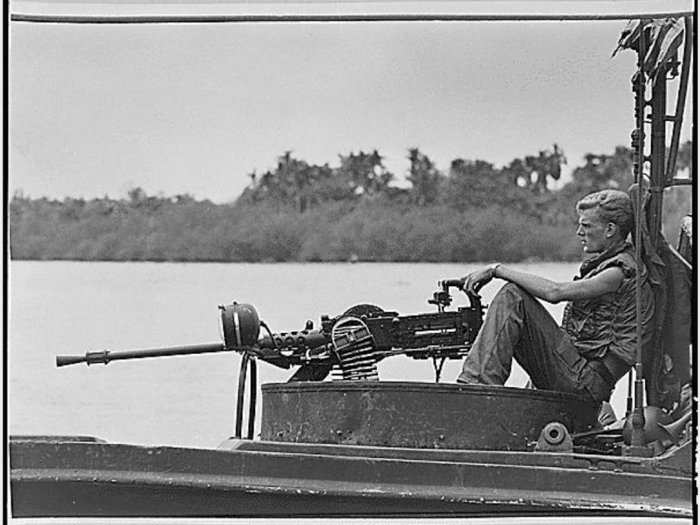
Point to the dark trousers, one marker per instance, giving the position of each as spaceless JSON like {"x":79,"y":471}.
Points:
{"x":518,"y":326}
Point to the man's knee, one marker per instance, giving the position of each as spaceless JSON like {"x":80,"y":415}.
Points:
{"x":510,"y":293}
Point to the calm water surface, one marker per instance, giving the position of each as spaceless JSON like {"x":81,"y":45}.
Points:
{"x":73,"y":307}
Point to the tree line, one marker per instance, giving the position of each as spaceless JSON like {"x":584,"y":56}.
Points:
{"x":352,"y":211}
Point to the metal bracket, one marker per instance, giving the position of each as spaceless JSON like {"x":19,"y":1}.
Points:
{"x":554,"y":438}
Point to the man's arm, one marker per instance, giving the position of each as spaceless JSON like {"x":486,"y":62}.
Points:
{"x":606,"y":281}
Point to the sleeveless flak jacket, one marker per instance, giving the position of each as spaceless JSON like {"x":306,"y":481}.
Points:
{"x":608,"y":323}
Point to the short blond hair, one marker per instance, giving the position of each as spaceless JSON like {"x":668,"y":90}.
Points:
{"x":615,"y":206}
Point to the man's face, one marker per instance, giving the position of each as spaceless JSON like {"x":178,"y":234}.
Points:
{"x":592,"y":231}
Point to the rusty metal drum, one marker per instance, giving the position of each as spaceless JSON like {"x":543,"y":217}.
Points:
{"x":417,"y":415}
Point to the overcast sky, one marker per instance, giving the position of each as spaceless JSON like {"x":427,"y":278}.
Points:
{"x":194,"y":109}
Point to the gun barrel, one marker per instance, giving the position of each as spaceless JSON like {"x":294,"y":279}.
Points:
{"x":106,"y":356}
{"x":65,"y":360}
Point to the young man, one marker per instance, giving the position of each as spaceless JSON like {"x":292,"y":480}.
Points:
{"x":596,"y":344}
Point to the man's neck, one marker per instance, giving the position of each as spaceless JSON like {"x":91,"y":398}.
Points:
{"x":595,"y":258}
{"x":614,"y":247}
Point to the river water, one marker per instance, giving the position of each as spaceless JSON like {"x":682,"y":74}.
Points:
{"x":71,"y":307}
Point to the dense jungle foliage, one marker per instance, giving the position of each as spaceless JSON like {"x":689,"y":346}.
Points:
{"x":353,"y":211}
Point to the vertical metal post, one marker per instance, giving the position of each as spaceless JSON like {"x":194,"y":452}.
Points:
{"x":658,"y":154}
{"x":252,"y":393}
{"x":629,"y":406}
{"x":637,"y":440}
{"x":241,"y":394}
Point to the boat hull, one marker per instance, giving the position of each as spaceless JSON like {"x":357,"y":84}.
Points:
{"x":268,"y":479}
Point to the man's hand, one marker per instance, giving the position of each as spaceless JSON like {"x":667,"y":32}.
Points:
{"x":474,"y":281}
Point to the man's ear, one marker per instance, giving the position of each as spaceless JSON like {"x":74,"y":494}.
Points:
{"x":611,"y":229}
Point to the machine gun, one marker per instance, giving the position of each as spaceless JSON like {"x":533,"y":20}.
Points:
{"x":354,"y":341}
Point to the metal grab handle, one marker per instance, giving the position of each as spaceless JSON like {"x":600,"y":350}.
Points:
{"x":474,"y":299}
{"x":446,"y":284}
{"x":246,"y":361}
